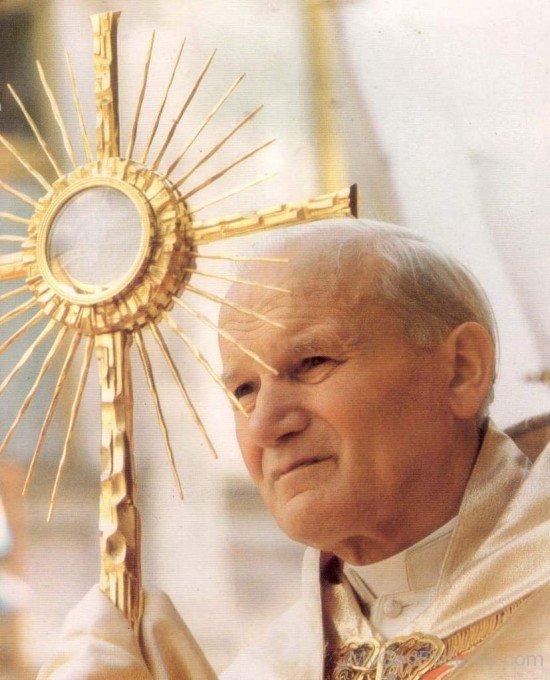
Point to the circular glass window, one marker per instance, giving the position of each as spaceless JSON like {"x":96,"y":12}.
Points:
{"x":94,"y":242}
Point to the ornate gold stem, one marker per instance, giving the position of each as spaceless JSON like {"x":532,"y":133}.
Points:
{"x":119,"y":523}
{"x":106,"y":83}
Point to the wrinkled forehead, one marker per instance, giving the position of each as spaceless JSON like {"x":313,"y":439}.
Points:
{"x":305,"y":325}
{"x":321,"y":305}
{"x":284,"y":292}
{"x":282,"y":319}
{"x":300,"y":329}
{"x":313,"y":271}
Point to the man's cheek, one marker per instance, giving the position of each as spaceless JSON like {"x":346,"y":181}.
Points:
{"x":252,"y":457}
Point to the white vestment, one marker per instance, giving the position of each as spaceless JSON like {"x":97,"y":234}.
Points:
{"x":499,"y":554}
{"x":399,"y":588}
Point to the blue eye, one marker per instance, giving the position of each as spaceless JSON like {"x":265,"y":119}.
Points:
{"x":315,"y":369}
{"x":312,"y":362}
{"x":243,"y":390}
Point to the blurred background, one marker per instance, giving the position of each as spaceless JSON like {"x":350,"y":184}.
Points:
{"x":438,"y":110}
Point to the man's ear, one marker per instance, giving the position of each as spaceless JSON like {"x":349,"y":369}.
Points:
{"x":470,"y":359}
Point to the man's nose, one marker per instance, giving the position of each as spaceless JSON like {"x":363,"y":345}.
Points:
{"x":278,"y":413}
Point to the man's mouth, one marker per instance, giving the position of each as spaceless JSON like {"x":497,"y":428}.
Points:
{"x":283,"y":470}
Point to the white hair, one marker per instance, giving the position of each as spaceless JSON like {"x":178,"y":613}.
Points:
{"x":429,"y":291}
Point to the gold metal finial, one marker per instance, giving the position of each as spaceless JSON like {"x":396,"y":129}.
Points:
{"x":105,"y":27}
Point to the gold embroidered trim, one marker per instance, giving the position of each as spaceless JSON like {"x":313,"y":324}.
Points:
{"x":467,"y":638}
{"x":409,"y":657}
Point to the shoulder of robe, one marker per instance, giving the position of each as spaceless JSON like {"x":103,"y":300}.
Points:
{"x":519,"y":650}
{"x":531,"y":435}
{"x":284,"y":653}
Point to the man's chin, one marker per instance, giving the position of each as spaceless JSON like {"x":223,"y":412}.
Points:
{"x":306,"y":521}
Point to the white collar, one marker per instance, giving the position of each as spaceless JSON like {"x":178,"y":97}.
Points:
{"x":412,"y":569}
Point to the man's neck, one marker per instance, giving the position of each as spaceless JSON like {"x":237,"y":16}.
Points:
{"x":417,"y":516}
{"x":393,"y":574}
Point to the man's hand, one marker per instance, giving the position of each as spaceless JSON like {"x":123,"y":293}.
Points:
{"x":97,"y":643}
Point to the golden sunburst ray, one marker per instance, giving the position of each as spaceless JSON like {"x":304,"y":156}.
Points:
{"x":30,"y":396}
{"x":18,"y":194}
{"x":141,"y":97}
{"x":232,"y":279}
{"x":229,"y":303}
{"x":53,"y":403}
{"x":221,"y":173}
{"x":17,"y":311}
{"x":78,"y":108}
{"x":218,"y":146}
{"x":27,"y":354}
{"x":204,"y":123}
{"x":148,"y":369}
{"x":232,"y":192}
{"x":226,"y":335}
{"x":28,"y":167}
{"x":154,"y":129}
{"x":177,"y":377}
{"x":183,"y":109}
{"x":14,"y":218}
{"x":14,"y":293}
{"x":57,"y":116}
{"x":72,"y":420}
{"x":12,"y":266}
{"x":204,"y":363}
{"x":39,"y":138}
{"x":9,"y":238}
{"x":22,"y":330}
{"x":237,"y":258}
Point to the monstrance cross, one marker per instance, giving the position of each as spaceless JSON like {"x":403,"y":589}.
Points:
{"x":107,"y":298}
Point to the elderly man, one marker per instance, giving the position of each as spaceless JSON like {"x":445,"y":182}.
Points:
{"x":427,"y":528}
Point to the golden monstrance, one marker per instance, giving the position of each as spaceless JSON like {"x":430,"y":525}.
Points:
{"x":79,"y":292}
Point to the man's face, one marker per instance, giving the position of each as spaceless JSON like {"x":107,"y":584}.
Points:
{"x":353,"y":430}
